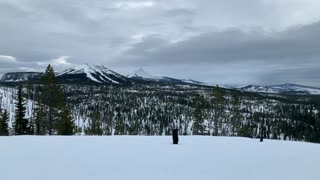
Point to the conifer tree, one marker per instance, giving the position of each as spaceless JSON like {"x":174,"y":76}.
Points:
{"x":4,"y":127}
{"x":235,"y":113}
{"x":21,"y":123}
{"x":94,"y":127}
{"x":65,"y":124}
{"x":39,"y":117}
{"x":31,"y":126}
{"x":198,"y":103}
{"x":51,"y":97}
{"x":218,"y":103}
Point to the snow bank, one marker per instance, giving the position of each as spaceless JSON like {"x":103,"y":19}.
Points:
{"x":153,"y":158}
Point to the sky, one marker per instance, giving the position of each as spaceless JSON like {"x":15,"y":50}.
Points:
{"x":227,"y":42}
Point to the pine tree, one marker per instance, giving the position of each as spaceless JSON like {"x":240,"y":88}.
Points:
{"x":65,"y":124}
{"x":48,"y":97}
{"x":199,"y":105}
{"x":94,"y":127}
{"x":21,"y":123}
{"x":39,"y":117}
{"x":218,"y":103}
{"x":30,"y":127}
{"x":4,"y":127}
{"x":51,"y":97}
{"x":235,"y":113}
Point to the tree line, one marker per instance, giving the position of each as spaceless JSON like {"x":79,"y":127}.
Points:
{"x":51,"y":115}
{"x":154,"y":110}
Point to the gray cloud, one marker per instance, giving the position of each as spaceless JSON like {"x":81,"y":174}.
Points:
{"x":298,"y":45}
{"x":229,"y":42}
{"x":279,"y":53}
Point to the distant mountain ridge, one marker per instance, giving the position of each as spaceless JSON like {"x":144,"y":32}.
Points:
{"x":21,"y":76}
{"x":287,"y":88}
{"x":81,"y":74}
{"x":95,"y":74}
{"x":141,"y":74}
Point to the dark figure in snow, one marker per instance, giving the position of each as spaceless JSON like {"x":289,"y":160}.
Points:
{"x":262,"y":134}
{"x":175,"y":137}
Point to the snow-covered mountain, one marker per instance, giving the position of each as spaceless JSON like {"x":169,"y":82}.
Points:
{"x":94,"y":74}
{"x":91,"y":74}
{"x":20,"y":76}
{"x":83,"y":74}
{"x":88,"y":74}
{"x":288,"y":88}
{"x":142,"y":75}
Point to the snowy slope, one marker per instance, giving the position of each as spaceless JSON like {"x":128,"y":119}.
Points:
{"x":284,"y":88}
{"x":155,"y":158}
{"x":93,"y":73}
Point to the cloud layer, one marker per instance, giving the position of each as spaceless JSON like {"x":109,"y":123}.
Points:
{"x":228,"y":42}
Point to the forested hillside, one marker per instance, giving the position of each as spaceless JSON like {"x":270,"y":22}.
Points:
{"x":195,"y":110}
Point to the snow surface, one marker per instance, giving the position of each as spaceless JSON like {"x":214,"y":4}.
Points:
{"x":155,"y":158}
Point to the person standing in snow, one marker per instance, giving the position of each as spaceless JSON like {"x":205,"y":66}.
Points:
{"x":175,"y":137}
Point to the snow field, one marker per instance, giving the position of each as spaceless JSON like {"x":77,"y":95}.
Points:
{"x":155,"y":158}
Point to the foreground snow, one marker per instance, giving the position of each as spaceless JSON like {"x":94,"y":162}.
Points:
{"x":151,"y":158}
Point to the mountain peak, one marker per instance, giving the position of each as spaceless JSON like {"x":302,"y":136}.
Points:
{"x":141,"y":73}
{"x":95,"y":73}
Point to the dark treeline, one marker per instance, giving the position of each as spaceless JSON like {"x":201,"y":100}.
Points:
{"x":156,"y":109}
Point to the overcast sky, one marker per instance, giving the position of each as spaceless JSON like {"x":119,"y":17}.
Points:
{"x":230,"y":42}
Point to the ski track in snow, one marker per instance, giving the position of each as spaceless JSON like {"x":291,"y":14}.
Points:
{"x":155,"y":158}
